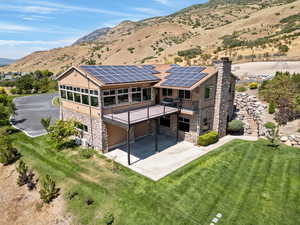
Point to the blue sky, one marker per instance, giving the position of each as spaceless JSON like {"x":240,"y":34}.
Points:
{"x":33,"y":25}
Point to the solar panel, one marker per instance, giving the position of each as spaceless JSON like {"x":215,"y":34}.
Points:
{"x":183,"y":79}
{"x":121,"y":74}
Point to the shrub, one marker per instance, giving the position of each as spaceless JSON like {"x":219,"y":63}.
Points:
{"x":271,"y":108}
{"x":22,"y":169}
{"x":13,"y":91}
{"x":272,"y":134}
{"x":241,"y":89}
{"x":209,"y":138}
{"x":46,"y":123}
{"x":298,"y":130}
{"x":253,"y":85}
{"x":8,"y":154}
{"x":109,"y":219}
{"x":48,"y":190}
{"x":235,"y":126}
{"x":86,"y":153}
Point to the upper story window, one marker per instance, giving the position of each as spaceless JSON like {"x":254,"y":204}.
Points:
{"x":167,"y":92}
{"x":147,"y":94}
{"x":208,"y":92}
{"x":184,"y":94}
{"x":126,"y":95}
{"x":80,"y":95}
{"x":136,"y":95}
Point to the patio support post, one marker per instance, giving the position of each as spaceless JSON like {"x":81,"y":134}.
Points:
{"x":177,"y":128}
{"x":156,"y":135}
{"x":128,"y":145}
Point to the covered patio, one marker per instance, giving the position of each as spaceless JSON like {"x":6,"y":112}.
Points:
{"x":130,"y":118}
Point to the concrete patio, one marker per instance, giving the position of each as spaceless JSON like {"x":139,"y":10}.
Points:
{"x":171,"y":155}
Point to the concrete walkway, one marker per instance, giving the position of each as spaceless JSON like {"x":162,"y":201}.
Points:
{"x":171,"y":157}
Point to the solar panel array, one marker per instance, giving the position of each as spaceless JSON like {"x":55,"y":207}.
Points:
{"x":184,"y":76}
{"x":121,"y":74}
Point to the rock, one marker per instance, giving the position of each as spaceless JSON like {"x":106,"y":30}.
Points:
{"x":284,"y":139}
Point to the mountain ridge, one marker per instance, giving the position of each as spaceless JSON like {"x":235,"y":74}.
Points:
{"x":194,"y":35}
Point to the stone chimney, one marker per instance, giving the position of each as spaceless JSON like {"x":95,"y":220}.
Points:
{"x":222,"y":97}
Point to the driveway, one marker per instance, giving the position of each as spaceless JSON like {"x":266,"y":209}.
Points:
{"x":30,"y":111}
{"x":171,"y":155}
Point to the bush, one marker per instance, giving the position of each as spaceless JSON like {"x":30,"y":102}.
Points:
{"x":235,"y":126}
{"x":241,"y":89}
{"x":86,"y":153}
{"x":22,"y":169}
{"x":8,"y":154}
{"x":271,"y":108}
{"x":208,"y":139}
{"x":48,"y":191}
{"x":298,"y":130}
{"x":109,"y":219}
{"x":13,"y":91}
{"x":253,"y":85}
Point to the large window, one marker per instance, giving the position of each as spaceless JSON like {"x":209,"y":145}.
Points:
{"x":123,"y":96}
{"x":147,"y":94}
{"x":184,"y":124}
{"x":109,"y":97}
{"x":70,"y":96}
{"x":85,"y":99}
{"x":77,"y":97}
{"x":136,"y":95}
{"x":208,"y":92}
{"x":184,"y":94}
{"x":63,"y":94}
{"x":165,"y":121}
{"x":94,"y":101}
{"x":167,"y":92}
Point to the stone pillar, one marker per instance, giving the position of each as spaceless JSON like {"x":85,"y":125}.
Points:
{"x":222,"y":96}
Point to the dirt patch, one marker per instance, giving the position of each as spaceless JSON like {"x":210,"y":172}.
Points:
{"x":18,"y":206}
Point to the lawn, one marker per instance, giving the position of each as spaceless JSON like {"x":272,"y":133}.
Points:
{"x":248,"y":182}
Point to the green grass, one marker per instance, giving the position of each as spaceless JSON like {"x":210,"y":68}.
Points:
{"x":248,"y":182}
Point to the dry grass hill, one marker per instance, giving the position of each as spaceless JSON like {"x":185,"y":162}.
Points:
{"x":244,"y":30}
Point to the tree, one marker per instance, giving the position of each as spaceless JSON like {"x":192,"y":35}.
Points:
{"x":272,"y":134}
{"x":22,"y":169}
{"x":283,"y":48}
{"x":46,"y":123}
{"x":8,"y":154}
{"x":48,"y":190}
{"x":61,"y":131}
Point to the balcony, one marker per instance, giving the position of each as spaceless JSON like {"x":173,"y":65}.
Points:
{"x":181,"y":103}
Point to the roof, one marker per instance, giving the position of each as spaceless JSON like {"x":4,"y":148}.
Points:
{"x":165,"y":76}
{"x":121,"y":74}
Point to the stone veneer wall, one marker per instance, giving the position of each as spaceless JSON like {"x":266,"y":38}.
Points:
{"x":222,"y":96}
{"x":94,"y":140}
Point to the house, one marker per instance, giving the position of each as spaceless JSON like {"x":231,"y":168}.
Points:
{"x":116,"y":105}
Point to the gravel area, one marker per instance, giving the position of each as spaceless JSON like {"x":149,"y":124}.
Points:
{"x":30,"y":111}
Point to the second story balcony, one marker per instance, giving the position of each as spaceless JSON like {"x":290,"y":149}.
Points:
{"x":181,"y":103}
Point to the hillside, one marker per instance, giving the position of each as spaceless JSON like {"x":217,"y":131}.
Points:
{"x":243,"y":30}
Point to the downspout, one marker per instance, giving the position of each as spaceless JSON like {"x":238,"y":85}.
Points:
{"x":90,"y":109}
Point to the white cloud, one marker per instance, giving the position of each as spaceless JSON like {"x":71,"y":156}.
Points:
{"x":27,"y":9}
{"x":164,"y":2}
{"x":149,"y":11}
{"x":9,"y":27}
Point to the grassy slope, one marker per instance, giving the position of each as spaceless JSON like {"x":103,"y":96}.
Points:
{"x":248,"y":182}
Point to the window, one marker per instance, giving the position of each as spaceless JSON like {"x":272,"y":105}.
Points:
{"x":123,"y":96}
{"x":208,"y":92}
{"x":167,"y":92}
{"x":85,"y":99}
{"x":184,"y":124}
{"x":94,"y":101}
{"x":184,"y":94}
{"x":77,"y":97}
{"x":146,"y":94}
{"x":205,"y":125}
{"x":165,"y":121}
{"x":82,"y":127}
{"x":136,"y":95}
{"x":70,"y":96}
{"x":63,"y":94}
{"x":109,"y":97}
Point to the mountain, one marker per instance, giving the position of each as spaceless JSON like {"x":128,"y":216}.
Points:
{"x":93,"y":36}
{"x":4,"y":61}
{"x":244,"y":30}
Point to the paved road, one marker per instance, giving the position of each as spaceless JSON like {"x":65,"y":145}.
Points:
{"x":30,"y":110}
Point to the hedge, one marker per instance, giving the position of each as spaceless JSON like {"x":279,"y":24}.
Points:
{"x":209,"y":138}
